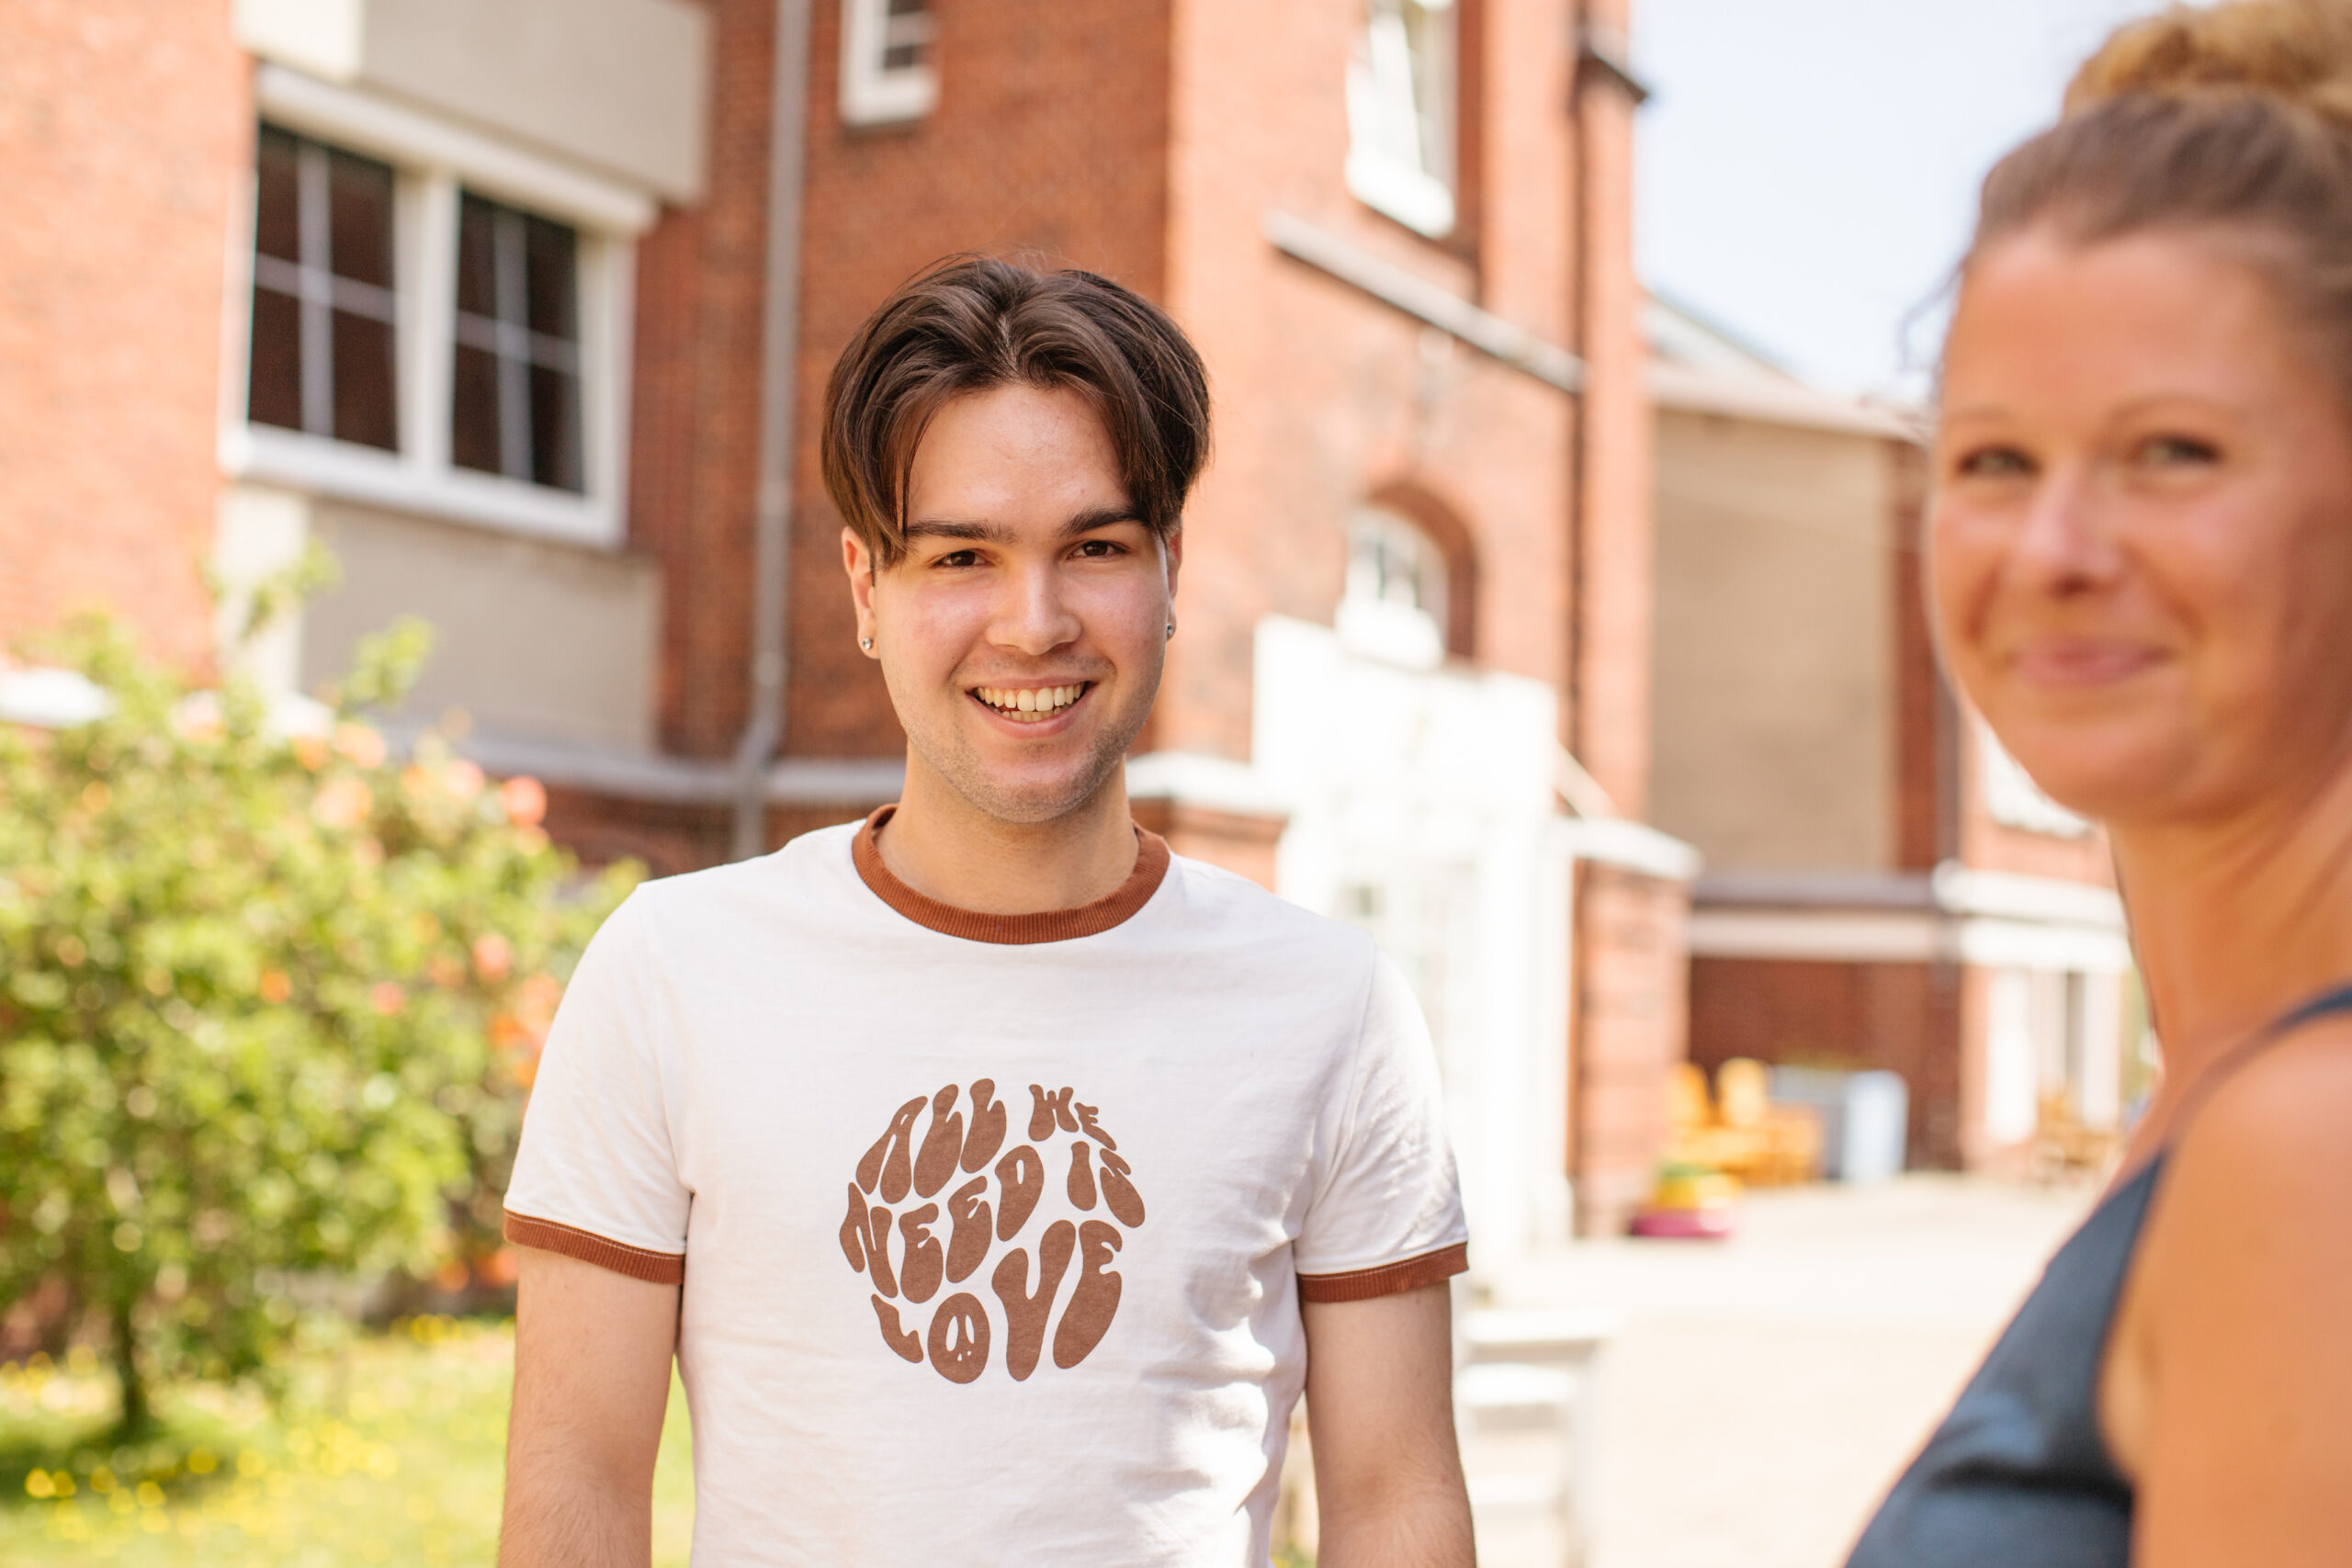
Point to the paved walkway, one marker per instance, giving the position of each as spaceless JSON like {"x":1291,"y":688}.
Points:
{"x":1766,"y":1389}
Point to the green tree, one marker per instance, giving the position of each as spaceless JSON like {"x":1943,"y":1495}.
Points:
{"x":269,"y":1005}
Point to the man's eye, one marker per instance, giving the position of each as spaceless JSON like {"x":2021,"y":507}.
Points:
{"x":2176,"y":451}
{"x":955,"y":560}
{"x":1993,"y":463}
{"x":1101,"y":550}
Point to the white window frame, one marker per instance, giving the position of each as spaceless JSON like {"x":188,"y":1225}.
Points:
{"x":873,"y":93}
{"x":1376,"y":621}
{"x":1401,"y":150}
{"x":434,"y":161}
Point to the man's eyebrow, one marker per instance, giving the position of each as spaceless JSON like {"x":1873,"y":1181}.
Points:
{"x":997,"y":533}
{"x":1097,"y":517}
{"x":988,"y":533}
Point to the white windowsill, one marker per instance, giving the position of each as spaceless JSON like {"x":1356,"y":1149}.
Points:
{"x":342,"y":471}
{"x":1419,"y":201}
{"x":888,"y":98}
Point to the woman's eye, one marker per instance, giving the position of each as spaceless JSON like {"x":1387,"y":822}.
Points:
{"x":1993,"y":463}
{"x":2173,"y":451}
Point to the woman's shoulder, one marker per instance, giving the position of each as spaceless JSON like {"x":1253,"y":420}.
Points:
{"x":2231,"y":1336}
{"x":2249,"y":1233}
{"x":2274,"y":1128}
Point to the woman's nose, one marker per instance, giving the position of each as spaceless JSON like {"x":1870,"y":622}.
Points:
{"x":2064,"y":543}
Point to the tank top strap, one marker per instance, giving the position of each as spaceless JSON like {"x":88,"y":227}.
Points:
{"x":2326,"y":1004}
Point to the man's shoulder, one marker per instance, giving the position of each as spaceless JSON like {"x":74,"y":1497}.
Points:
{"x":805,"y":869}
{"x":1234,"y":909}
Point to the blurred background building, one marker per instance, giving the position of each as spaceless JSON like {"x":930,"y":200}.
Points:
{"x":524,"y":310}
{"x":1884,"y":888}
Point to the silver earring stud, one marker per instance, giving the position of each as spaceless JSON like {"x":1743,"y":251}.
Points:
{"x":1171,"y":628}
{"x":865,"y":644}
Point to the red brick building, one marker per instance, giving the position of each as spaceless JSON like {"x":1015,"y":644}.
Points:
{"x":523,"y":309}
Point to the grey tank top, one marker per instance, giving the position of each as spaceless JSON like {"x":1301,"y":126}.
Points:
{"x":2019,"y":1475}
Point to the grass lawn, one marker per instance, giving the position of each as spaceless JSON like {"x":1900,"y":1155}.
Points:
{"x":388,"y":1451}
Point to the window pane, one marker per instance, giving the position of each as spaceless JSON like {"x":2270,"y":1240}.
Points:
{"x":364,"y":407}
{"x":477,"y":250}
{"x":474,"y":415}
{"x":275,"y":392}
{"x":555,"y":429}
{"x":552,"y":269}
{"x":359,"y":219}
{"x":278,"y":227}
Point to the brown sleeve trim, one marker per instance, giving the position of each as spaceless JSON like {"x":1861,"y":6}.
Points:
{"x":1015,"y":931}
{"x":1389,"y":1278}
{"x":636,"y":1262}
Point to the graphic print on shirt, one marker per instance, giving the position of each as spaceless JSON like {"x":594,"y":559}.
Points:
{"x":958,"y":1175}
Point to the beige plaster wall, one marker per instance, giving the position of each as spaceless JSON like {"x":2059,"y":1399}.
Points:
{"x":619,"y":84}
{"x":1775,"y":704}
{"x":534,"y":639}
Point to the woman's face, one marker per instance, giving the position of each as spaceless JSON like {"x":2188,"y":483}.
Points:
{"x":2140,"y":542}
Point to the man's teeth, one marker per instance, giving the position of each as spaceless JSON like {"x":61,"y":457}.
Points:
{"x":1032,"y":703}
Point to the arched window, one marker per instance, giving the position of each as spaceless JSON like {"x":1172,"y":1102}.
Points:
{"x":1395,"y":605}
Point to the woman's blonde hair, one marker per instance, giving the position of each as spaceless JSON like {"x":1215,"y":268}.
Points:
{"x":2234,"y":120}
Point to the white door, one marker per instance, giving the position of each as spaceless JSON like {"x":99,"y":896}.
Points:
{"x":1422,"y":809}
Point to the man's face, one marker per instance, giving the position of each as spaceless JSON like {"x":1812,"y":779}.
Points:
{"x":1023,"y":633}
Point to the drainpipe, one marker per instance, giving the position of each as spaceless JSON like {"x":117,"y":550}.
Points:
{"x":779,"y":370}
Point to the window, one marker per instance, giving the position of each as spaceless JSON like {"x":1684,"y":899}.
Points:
{"x":1394,"y":606}
{"x":514,"y":398}
{"x":435,"y":320}
{"x":888,"y":72}
{"x":1400,"y":113}
{"x":325,"y":313}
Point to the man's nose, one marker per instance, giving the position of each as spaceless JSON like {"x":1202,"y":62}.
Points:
{"x":1033,"y":617}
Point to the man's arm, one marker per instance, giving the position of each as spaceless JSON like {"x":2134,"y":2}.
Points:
{"x":592,"y":1381}
{"x":1380,"y":1398}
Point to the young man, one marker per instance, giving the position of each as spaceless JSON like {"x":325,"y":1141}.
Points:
{"x":998,"y":1177}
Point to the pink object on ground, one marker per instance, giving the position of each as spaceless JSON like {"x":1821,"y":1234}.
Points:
{"x":1683,"y":1224}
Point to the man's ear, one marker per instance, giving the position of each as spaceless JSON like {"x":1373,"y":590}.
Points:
{"x":858,"y":561}
{"x":1171,"y":557}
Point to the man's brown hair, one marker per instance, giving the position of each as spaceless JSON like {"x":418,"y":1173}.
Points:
{"x":972,"y":323}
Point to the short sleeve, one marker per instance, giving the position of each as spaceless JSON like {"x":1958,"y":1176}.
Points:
{"x":596,"y":1177}
{"x":1386,"y":1216}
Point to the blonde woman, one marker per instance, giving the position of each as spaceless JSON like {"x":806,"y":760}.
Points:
{"x":2141,"y":548}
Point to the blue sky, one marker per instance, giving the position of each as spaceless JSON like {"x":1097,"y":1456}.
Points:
{"x":1808,"y":169}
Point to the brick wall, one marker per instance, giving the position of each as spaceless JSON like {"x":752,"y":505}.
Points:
{"x":1629,"y":1024}
{"x":125,"y":134}
{"x":1902,"y":1018}
{"x":702,"y":289}
{"x":1609,"y":685}
{"x":1926,"y":718}
{"x":1328,"y":398}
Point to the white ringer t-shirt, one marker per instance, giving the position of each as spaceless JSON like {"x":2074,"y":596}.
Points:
{"x":993,"y":1230}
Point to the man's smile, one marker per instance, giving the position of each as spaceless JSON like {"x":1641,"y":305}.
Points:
{"x":1031,"y":705}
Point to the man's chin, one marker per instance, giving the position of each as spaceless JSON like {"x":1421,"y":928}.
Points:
{"x":1031,"y":796}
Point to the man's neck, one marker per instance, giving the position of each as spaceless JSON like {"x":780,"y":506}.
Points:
{"x":943,"y":847}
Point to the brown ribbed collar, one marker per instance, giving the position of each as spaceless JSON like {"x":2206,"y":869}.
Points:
{"x":1016,"y":931}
